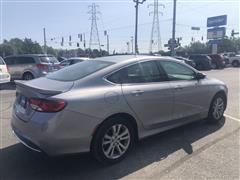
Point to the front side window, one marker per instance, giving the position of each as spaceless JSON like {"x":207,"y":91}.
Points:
{"x":144,"y":72}
{"x":176,"y":71}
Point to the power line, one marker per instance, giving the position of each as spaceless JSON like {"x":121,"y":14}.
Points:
{"x":94,"y":36}
{"x":155,"y":33}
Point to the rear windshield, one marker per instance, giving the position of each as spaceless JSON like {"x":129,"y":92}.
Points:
{"x":78,"y":71}
{"x":48,"y":59}
{"x":1,"y":61}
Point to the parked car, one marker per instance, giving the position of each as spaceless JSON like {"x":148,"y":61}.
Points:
{"x":106,"y":104}
{"x":203,"y":62}
{"x":234,"y":60}
{"x":185,"y":60}
{"x":226,"y":56}
{"x":60,"y":59}
{"x":217,"y":61}
{"x":31,"y":66}
{"x":4,"y":75}
{"x":72,"y":61}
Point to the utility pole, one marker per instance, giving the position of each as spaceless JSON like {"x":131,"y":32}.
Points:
{"x":45,"y":41}
{"x":173,"y":29}
{"x":128,"y":47}
{"x":107,"y":35}
{"x":132,"y":43}
{"x":84,"y":41}
{"x":155,"y":33}
{"x":94,"y":36}
{"x":136,"y":24}
{"x":108,"y":44}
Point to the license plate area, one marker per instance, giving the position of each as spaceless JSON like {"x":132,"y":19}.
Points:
{"x":22,"y":104}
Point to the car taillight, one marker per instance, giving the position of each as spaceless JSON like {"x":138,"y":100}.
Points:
{"x":42,"y":66}
{"x":44,"y":105}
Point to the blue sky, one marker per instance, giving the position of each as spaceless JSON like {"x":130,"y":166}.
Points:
{"x":25,"y":18}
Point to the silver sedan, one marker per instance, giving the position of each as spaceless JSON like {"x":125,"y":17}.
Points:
{"x":105,"y":105}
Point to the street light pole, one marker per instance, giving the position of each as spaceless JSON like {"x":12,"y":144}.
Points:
{"x":45,"y":41}
{"x":132,"y":43}
{"x":173,"y":28}
{"x":136,"y":24}
{"x":107,"y":36}
{"x":108,"y":44}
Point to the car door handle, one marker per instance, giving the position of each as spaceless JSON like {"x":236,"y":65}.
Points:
{"x":178,"y":87}
{"x":137,"y":92}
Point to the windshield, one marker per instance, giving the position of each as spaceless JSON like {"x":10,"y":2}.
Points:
{"x":48,"y":59}
{"x":78,"y":71}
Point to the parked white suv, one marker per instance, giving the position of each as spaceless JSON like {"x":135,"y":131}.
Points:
{"x":232,"y":59}
{"x":4,"y":75}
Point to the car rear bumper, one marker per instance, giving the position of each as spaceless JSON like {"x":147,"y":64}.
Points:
{"x":48,"y":133}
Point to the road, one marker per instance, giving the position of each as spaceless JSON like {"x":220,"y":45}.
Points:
{"x":195,"y":151}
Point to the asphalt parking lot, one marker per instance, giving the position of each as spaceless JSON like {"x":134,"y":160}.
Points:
{"x":195,"y":151}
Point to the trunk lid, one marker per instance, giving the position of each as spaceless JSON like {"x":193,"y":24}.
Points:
{"x":39,"y":88}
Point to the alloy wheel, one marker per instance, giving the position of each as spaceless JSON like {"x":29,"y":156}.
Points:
{"x":28,"y":77}
{"x":218,"y":108}
{"x":116,"y":141}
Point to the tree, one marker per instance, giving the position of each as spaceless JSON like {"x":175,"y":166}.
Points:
{"x":6,"y":50}
{"x":30,"y":47}
{"x":198,"y":48}
{"x":52,"y":51}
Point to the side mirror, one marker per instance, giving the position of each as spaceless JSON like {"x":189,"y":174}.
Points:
{"x":200,"y":76}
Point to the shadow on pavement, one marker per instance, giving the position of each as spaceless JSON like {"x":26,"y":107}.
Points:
{"x":16,"y":162}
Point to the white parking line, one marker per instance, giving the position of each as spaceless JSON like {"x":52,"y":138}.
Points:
{"x":233,"y":118}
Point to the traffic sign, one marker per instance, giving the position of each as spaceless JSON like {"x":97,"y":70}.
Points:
{"x":217,"y":21}
{"x":215,"y":41}
{"x":216,"y":33}
{"x":195,"y":28}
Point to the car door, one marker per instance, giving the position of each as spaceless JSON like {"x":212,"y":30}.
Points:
{"x":25,"y":64}
{"x":147,"y":93}
{"x":190,"y":94}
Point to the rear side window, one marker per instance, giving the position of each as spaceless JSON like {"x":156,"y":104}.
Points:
{"x":78,"y":71}
{"x":25,"y":60}
{"x":176,"y":71}
{"x":48,"y":59}
{"x":144,"y":72}
{"x":1,"y":61}
{"x":131,"y":74}
{"x":10,"y":60}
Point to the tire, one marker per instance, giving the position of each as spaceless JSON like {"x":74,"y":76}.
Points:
{"x":217,"y":108}
{"x":214,"y":66}
{"x":28,"y":76}
{"x":235,"y":64}
{"x":103,"y":140}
